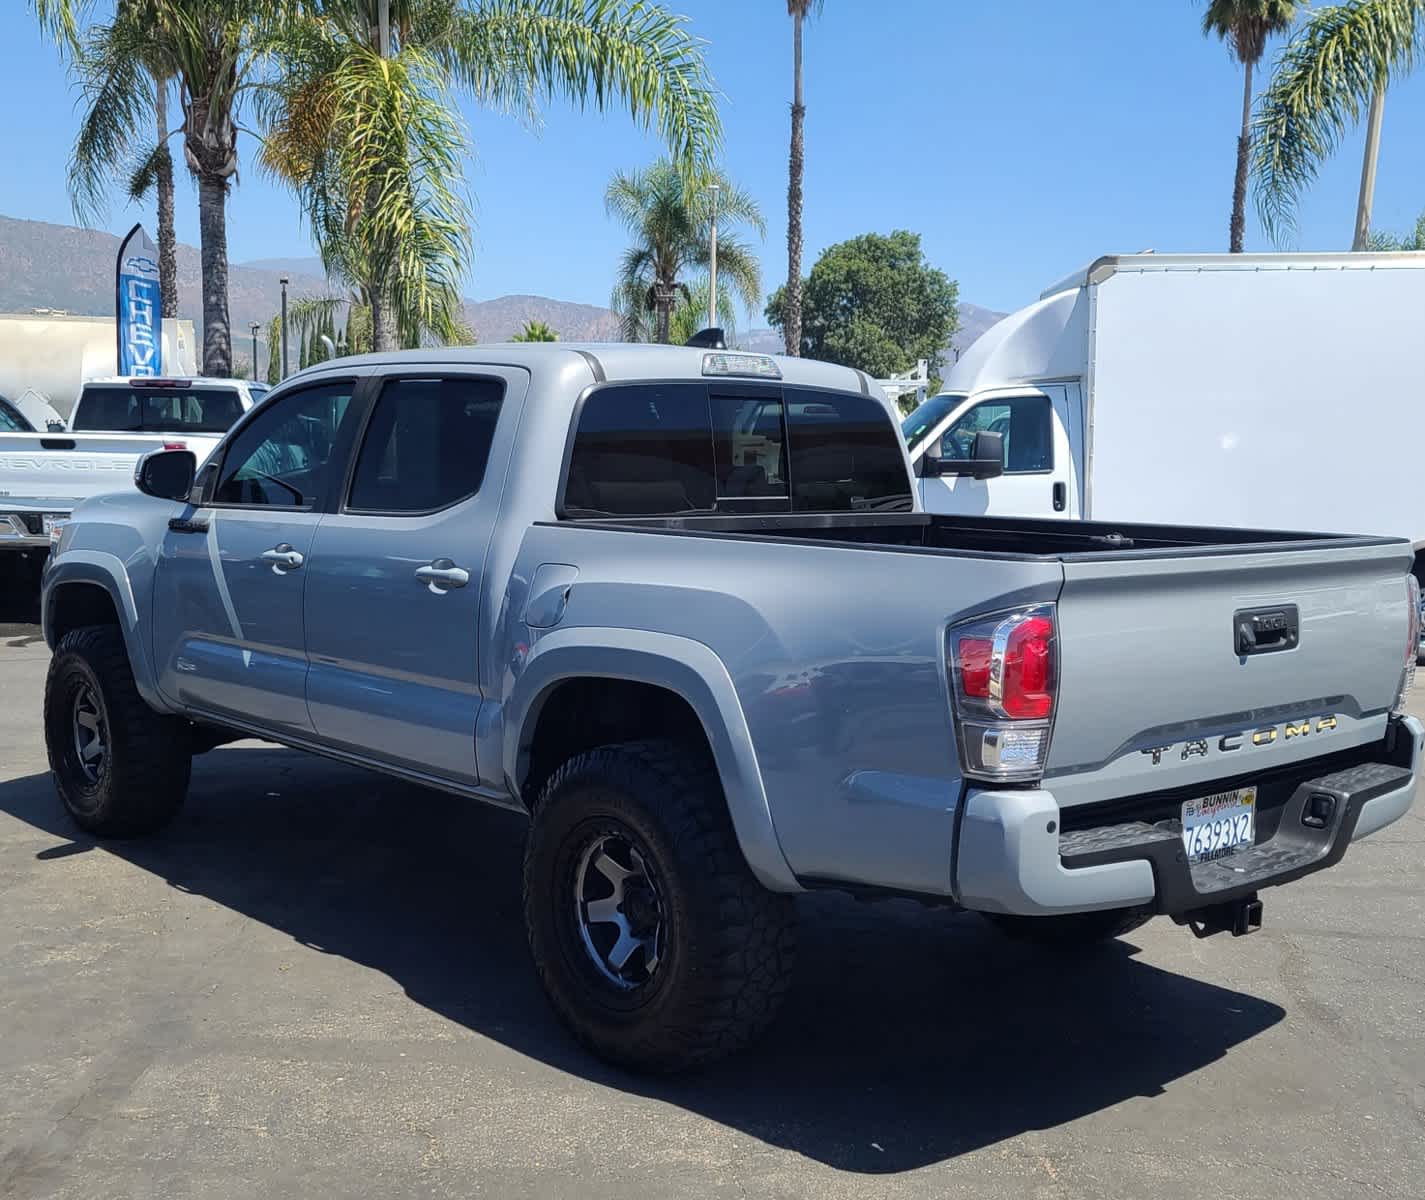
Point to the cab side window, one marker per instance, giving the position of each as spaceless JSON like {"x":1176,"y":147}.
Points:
{"x":1024,"y":422}
{"x":282,"y":458}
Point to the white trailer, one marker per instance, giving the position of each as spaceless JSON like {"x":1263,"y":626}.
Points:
{"x":55,"y":353}
{"x":1280,"y":391}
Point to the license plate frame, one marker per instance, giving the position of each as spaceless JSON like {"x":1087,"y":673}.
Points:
{"x":1219,"y":825}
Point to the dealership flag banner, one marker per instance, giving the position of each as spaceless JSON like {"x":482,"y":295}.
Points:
{"x":137,"y":306}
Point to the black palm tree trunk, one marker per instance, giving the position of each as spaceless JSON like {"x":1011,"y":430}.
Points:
{"x":213,"y":250}
{"x":1238,"y":229}
{"x":792,"y":326}
{"x":167,"y":239}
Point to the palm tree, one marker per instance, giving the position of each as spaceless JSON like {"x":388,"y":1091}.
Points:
{"x":690,"y":314}
{"x":1339,"y":63}
{"x":368,"y":136}
{"x":798,"y":10}
{"x":535,"y":331}
{"x":212,"y":49}
{"x":155,"y":170}
{"x":1414,"y":240}
{"x":670,"y":220}
{"x":1245,"y":25}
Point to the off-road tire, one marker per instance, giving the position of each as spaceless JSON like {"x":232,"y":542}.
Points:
{"x":143,"y":777}
{"x":728,"y":941}
{"x":1072,"y":931}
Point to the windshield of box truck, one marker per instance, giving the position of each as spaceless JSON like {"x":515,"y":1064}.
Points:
{"x":923,"y":421}
{"x":124,"y":409}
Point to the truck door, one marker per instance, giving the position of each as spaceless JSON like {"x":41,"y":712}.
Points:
{"x":231,"y":573}
{"x":1038,"y":480}
{"x":394,"y":584}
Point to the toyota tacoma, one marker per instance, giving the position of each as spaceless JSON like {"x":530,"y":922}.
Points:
{"x":678,"y":607}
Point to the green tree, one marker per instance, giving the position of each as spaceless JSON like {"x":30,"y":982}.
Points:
{"x":357,"y":335}
{"x":798,"y":10}
{"x":274,"y":350}
{"x":875,"y":303}
{"x":535,"y":331}
{"x":690,"y":314}
{"x":1245,"y":25}
{"x":153,"y":171}
{"x":1338,"y":64}
{"x":369,"y":137}
{"x":670,"y":220}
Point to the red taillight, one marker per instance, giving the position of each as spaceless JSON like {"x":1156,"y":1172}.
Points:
{"x":975,"y":654}
{"x":1026,"y":687}
{"x":175,"y":445}
{"x":1005,"y":677}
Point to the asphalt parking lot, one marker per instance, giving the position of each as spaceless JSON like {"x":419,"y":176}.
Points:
{"x":315,"y":983}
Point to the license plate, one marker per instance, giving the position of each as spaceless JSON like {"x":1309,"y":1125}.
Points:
{"x":1219,"y":825}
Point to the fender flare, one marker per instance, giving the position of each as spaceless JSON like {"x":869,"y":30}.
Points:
{"x":683,"y":666}
{"x":96,"y":568}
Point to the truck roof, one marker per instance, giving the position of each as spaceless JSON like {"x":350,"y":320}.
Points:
{"x":616,"y":360}
{"x":1109,"y":264}
{"x":196,"y":381}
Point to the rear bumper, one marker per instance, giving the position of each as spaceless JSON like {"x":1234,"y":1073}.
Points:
{"x":22,"y":525}
{"x":1012,"y":855}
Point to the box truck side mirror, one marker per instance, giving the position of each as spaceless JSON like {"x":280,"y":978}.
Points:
{"x":985,"y":462}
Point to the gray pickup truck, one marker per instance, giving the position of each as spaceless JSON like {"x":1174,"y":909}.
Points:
{"x":678,"y":607}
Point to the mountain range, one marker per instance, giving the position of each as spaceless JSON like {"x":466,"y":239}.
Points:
{"x":65,"y":268}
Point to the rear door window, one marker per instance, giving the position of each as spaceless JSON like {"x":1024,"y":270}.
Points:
{"x":426,"y":444}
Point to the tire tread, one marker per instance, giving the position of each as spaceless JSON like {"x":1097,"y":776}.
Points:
{"x":149,"y":759}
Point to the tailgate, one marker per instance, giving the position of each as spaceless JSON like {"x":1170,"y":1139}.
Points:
{"x":70,"y":466}
{"x":1154,"y":693}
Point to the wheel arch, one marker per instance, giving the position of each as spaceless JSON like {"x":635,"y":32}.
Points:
{"x":693,"y":676}
{"x":88,"y":587}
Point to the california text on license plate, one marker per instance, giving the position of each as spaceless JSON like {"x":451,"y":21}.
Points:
{"x":1218,"y":825}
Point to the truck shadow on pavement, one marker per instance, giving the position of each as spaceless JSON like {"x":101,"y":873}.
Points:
{"x":911,"y":1035}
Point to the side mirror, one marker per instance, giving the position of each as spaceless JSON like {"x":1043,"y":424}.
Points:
{"x":166,"y":474}
{"x":985,"y":462}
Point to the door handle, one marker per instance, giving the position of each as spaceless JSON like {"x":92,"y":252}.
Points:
{"x":283,"y":558}
{"x":1061,"y":496}
{"x":442,"y":575}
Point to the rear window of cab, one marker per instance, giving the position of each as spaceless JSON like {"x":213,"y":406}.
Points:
{"x":690,"y":447}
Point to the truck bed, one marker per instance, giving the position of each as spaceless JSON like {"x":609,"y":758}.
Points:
{"x":1016,"y":537}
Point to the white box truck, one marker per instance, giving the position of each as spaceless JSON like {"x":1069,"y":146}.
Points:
{"x":1270,"y":391}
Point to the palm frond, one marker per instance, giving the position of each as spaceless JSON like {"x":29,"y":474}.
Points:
{"x":147,"y":170}
{"x":596,"y":51}
{"x":1321,"y":83}
{"x":117,"y":103}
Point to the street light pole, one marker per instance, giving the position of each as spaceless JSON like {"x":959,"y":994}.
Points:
{"x":254,"y":326}
{"x":383,"y":28}
{"x":283,"y":282}
{"x":712,"y":261}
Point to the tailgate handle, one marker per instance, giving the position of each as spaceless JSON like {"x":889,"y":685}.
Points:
{"x":1265,"y":630}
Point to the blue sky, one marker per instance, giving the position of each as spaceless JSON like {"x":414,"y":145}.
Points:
{"x":1020,"y":140}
